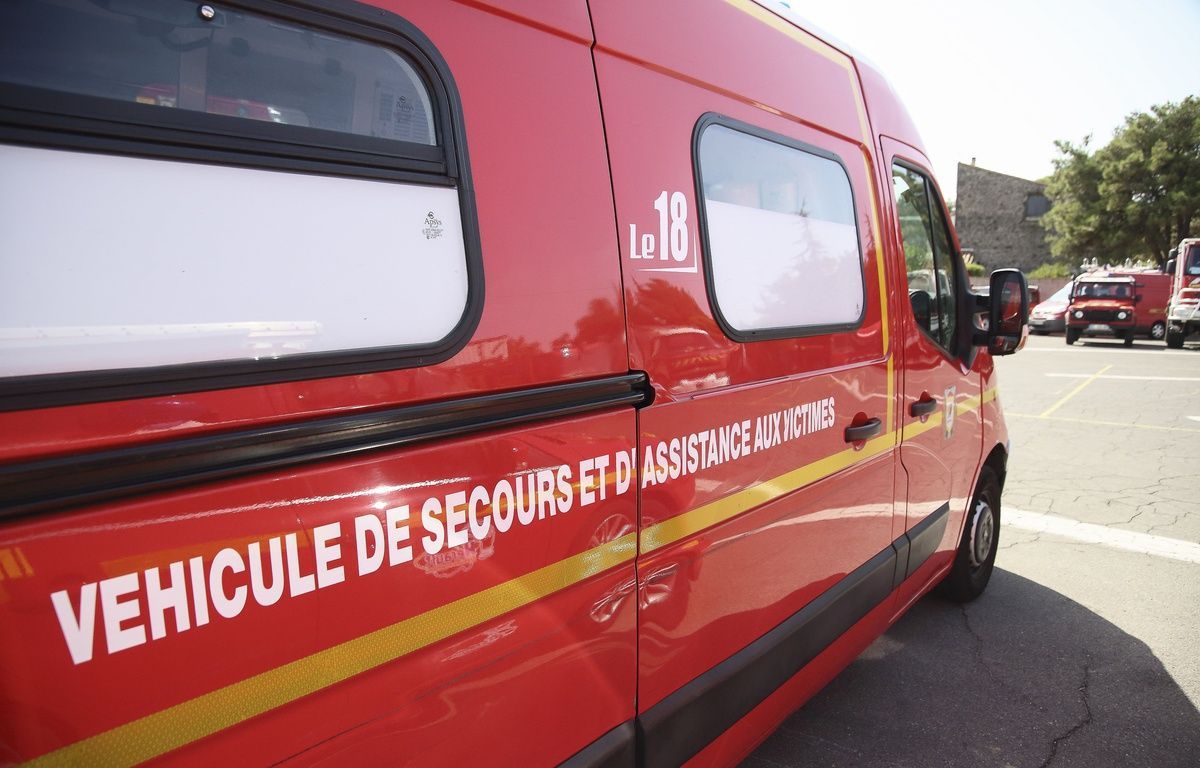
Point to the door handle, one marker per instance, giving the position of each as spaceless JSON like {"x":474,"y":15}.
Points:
{"x":868,"y":429}
{"x":923,"y":408}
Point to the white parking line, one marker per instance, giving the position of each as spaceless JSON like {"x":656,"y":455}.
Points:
{"x":1123,"y":378}
{"x":1115,"y":348}
{"x":1090,"y":533}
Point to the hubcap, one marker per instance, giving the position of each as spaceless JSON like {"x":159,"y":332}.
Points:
{"x":1158,"y":330}
{"x":983,"y":529}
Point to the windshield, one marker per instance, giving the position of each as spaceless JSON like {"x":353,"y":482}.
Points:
{"x":1193,"y":261}
{"x":1059,"y":296}
{"x":1086,"y":290}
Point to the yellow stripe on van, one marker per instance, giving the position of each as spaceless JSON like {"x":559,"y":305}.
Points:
{"x":968,"y":404}
{"x":161,"y":732}
{"x":681,"y":526}
{"x":189,"y":721}
{"x":914,"y":428}
{"x":809,"y":41}
{"x":820,"y":47}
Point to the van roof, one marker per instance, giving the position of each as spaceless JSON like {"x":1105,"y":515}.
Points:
{"x":888,"y":114}
{"x":784,"y":9}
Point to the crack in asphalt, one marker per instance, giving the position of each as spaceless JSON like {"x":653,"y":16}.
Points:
{"x":1156,"y":526}
{"x":1085,"y":721}
{"x":981,"y":660}
{"x":1014,"y":544}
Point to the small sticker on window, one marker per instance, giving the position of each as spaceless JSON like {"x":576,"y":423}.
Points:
{"x":433,"y":227}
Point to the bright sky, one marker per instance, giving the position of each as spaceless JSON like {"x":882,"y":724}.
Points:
{"x":1000,"y":81}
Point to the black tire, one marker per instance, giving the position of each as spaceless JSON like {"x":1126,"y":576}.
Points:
{"x":976,"y":556}
{"x":1174,"y":339}
{"x":1129,"y":338}
{"x":1158,"y":331}
{"x":1072,"y":335}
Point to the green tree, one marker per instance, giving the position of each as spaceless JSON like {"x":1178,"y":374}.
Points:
{"x":1139,"y":195}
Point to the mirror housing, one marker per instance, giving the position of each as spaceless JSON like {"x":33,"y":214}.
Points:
{"x":1008,"y":315}
{"x":1170,"y":268}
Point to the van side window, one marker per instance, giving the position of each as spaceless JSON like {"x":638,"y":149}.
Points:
{"x":928,"y":256}
{"x":173,"y":54}
{"x":782,"y":245}
{"x":190,"y":184}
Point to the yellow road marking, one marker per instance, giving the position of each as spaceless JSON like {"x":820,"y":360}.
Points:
{"x":171,"y":728}
{"x":1074,"y":392}
{"x":1102,"y":423}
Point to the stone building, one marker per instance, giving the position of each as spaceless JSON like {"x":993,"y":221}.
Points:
{"x":998,"y":218}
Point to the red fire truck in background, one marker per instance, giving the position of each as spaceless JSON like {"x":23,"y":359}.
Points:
{"x":1120,"y":303}
{"x":282,"y":483}
{"x":1183,"y":318}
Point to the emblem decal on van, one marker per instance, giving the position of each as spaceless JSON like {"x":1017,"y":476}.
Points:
{"x":433,"y":227}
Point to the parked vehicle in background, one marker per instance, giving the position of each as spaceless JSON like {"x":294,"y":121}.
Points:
{"x":1119,"y":303}
{"x":1183,"y":318}
{"x":1050,"y":316}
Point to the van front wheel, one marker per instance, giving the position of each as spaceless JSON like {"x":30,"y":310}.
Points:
{"x":976,"y":556}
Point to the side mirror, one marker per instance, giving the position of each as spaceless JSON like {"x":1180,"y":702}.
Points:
{"x":1170,"y":270}
{"x":922,"y":307}
{"x":1137,"y":299}
{"x":1008,"y":316}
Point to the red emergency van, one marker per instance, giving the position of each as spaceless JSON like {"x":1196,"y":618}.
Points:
{"x":1120,"y":303}
{"x":508,"y":382}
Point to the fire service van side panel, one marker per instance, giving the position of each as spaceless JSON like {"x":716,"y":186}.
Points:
{"x":553,"y":297}
{"x":941,"y":411}
{"x":735,"y":543}
{"x":480,"y":381}
{"x":234,"y":568}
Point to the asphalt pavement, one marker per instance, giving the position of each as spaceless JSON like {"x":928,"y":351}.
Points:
{"x":1085,"y":649}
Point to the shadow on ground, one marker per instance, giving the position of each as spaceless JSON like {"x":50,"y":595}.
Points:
{"x":1022,"y":677}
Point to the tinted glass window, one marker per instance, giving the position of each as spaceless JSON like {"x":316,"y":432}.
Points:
{"x":945,"y":258}
{"x":928,"y":255}
{"x":167,"y":54}
{"x":1193,"y":260}
{"x":783,"y":246}
{"x":146,"y":257}
{"x":1102,"y":290}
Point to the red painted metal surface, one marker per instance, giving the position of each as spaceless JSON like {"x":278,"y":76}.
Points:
{"x":583,"y":633}
{"x":727,"y":552}
{"x":940,"y":463}
{"x":552,"y":308}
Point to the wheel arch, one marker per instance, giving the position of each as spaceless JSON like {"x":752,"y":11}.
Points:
{"x":997,"y":460}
